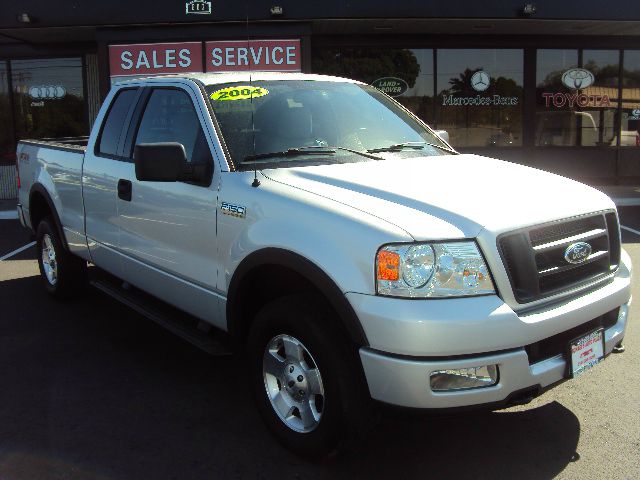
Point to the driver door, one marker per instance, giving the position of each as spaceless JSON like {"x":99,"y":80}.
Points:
{"x":168,"y":229}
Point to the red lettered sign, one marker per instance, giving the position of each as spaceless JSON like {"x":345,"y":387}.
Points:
{"x":259,"y":55}
{"x":155,"y":58}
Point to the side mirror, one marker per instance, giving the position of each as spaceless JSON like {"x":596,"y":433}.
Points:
{"x":443,"y":134}
{"x":159,"y":162}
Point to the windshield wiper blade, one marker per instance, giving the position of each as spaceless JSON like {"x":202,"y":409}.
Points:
{"x":366,"y":153}
{"x":396,"y":147}
{"x":292,"y":152}
{"x":413,"y":145}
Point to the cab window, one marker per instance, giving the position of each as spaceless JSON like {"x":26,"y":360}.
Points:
{"x":171,"y":117}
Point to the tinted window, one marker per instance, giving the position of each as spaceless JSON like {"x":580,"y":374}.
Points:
{"x":576,"y":98}
{"x":7,"y":146}
{"x":115,"y":121}
{"x":405,"y":74}
{"x":171,"y":117}
{"x":48,"y":98}
{"x":630,"y":124}
{"x":480,"y":96}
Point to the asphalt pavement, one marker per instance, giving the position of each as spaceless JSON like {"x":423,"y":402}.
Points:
{"x":91,"y":390}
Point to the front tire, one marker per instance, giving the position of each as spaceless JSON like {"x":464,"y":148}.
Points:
{"x":62,"y":273}
{"x":307,"y":384}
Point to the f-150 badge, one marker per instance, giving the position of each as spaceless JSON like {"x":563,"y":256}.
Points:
{"x":233,"y":210}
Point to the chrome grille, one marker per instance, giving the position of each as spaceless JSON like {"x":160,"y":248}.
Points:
{"x":535,"y":257}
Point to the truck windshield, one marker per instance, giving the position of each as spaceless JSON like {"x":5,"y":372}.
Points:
{"x":294,"y":122}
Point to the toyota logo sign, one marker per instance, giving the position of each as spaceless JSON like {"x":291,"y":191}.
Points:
{"x":47,"y":92}
{"x":577,"y":78}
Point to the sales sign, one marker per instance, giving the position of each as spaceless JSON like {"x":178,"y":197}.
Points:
{"x":155,"y":59}
{"x":257,"y":55}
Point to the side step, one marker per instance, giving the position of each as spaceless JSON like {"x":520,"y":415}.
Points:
{"x":180,"y":323}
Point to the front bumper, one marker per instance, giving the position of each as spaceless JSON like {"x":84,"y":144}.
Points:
{"x":455,"y":333}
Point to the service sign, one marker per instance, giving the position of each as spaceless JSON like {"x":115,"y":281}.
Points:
{"x":155,"y":59}
{"x":257,"y":55}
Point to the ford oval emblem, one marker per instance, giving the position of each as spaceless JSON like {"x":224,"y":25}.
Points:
{"x":577,"y":252}
{"x":577,"y":78}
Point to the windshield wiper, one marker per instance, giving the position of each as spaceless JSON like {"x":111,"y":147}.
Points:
{"x":311,"y":150}
{"x":366,"y":153}
{"x":291,"y":152}
{"x":412,"y":145}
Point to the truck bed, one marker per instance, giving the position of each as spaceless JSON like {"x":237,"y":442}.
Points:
{"x":56,"y":163}
{"x":76,"y":144}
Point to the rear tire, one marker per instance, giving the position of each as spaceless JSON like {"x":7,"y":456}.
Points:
{"x":62,"y":273}
{"x":308,"y":385}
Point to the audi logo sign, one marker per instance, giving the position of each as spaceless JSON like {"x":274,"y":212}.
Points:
{"x":47,"y":92}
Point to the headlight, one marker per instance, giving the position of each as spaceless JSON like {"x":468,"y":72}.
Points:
{"x":418,"y":270}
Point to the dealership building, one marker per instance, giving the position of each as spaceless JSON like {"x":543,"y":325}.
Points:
{"x":554,"y":85}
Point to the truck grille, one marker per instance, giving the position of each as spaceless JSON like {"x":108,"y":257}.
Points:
{"x":535,"y":261}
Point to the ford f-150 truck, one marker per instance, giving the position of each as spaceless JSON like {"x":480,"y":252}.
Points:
{"x":345,"y":248}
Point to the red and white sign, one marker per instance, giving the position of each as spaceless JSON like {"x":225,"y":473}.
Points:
{"x":260,"y":55}
{"x":155,"y":58}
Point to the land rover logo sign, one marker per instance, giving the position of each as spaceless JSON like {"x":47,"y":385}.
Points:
{"x":392,"y":86}
{"x":577,"y":78}
{"x":577,"y":252}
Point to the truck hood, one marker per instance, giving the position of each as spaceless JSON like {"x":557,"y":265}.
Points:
{"x":452,"y":196}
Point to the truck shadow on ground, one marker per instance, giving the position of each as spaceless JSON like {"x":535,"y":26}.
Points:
{"x":88,"y":389}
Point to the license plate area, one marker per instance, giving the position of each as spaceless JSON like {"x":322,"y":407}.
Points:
{"x":585,"y":352}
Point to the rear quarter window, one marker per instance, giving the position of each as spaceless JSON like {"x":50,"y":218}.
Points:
{"x":114,"y":123}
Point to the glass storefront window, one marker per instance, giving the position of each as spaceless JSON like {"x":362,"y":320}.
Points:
{"x":48,"y":96}
{"x":7,"y":147}
{"x":630,"y":119}
{"x":576,"y":101}
{"x":405,"y":74}
{"x":480,"y":96}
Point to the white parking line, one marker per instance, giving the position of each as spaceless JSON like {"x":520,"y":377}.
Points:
{"x":637,"y":232}
{"x":17,"y":251}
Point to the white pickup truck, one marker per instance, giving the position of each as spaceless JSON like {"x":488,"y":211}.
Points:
{"x":342,"y":245}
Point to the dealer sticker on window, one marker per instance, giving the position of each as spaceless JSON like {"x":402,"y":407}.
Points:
{"x":241,"y":92}
{"x":586,"y":352}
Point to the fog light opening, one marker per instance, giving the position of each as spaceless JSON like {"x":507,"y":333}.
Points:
{"x":464,"y":378}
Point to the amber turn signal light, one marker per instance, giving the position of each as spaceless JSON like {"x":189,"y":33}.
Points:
{"x":388,"y":265}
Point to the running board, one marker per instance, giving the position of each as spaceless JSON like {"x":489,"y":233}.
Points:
{"x":187,"y":327}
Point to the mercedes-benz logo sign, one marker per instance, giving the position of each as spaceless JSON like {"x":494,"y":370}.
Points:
{"x":577,"y":78}
{"x":480,"y":81}
{"x":47,"y":92}
{"x":577,"y":252}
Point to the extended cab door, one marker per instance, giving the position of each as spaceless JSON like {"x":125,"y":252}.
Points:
{"x":168,"y":229}
{"x":103,"y":165}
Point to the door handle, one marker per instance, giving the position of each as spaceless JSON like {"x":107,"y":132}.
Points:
{"x":124,"y":189}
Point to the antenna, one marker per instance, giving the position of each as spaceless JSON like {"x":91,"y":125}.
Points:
{"x":256,"y":182}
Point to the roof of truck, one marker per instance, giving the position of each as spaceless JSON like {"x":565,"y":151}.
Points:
{"x":230,"y":77}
